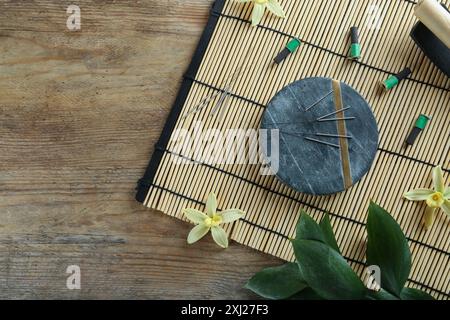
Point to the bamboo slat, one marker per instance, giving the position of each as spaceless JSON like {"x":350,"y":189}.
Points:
{"x":273,"y":208}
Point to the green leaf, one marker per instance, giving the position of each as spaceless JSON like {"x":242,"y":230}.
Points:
{"x":306,"y":294}
{"x":387,"y":248}
{"x":381,"y":295}
{"x":328,"y":233}
{"x":308,"y":229}
{"x":414,"y":294}
{"x":277,"y":282}
{"x":327,"y":272}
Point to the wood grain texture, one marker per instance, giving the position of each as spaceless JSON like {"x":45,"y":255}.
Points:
{"x":79,"y":114}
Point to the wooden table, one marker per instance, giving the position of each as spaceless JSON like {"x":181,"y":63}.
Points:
{"x":80,"y":112}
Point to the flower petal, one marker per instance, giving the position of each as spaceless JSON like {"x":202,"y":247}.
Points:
{"x":194,"y":215}
{"x":447,"y":193}
{"x":197,"y":233}
{"x":211,"y":205}
{"x":231,"y":215}
{"x":446,"y":207}
{"x":258,"y":12}
{"x":428,"y":217}
{"x":438,"y":179}
{"x":220,"y":236}
{"x":275,"y":8}
{"x":418,"y":194}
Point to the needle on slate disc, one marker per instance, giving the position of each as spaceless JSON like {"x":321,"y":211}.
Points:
{"x":323,"y":142}
{"x":334,"y":112}
{"x":336,"y":119}
{"x":320,"y":100}
{"x":329,"y":135}
{"x":333,"y":135}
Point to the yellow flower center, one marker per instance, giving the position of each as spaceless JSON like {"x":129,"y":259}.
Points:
{"x":435,"y":200}
{"x":214,"y":221}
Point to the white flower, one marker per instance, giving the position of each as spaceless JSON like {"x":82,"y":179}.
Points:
{"x":211,"y":221}
{"x":437,"y":198}
{"x":259,"y":6}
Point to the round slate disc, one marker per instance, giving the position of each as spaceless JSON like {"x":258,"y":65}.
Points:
{"x":344,"y":149}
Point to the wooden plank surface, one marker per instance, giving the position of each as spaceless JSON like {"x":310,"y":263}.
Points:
{"x":79,"y":114}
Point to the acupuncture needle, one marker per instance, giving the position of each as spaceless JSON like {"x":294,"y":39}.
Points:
{"x":333,"y":135}
{"x":336,"y":119}
{"x":225,"y":94}
{"x":201,"y":105}
{"x":222,"y":99}
{"x":323,"y":142}
{"x":334,"y":112}
{"x":320,"y":100}
{"x":329,"y":135}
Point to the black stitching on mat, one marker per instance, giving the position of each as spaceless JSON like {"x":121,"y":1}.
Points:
{"x":298,"y":201}
{"x":234,"y":95}
{"x":263,"y":106}
{"x":149,"y":175}
{"x":283,"y":236}
{"x":147,"y":181}
{"x":331,"y":51}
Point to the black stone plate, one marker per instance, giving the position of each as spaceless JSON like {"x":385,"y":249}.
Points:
{"x":309,"y":166}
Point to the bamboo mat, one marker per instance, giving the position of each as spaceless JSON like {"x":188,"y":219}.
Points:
{"x":272,"y":208}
